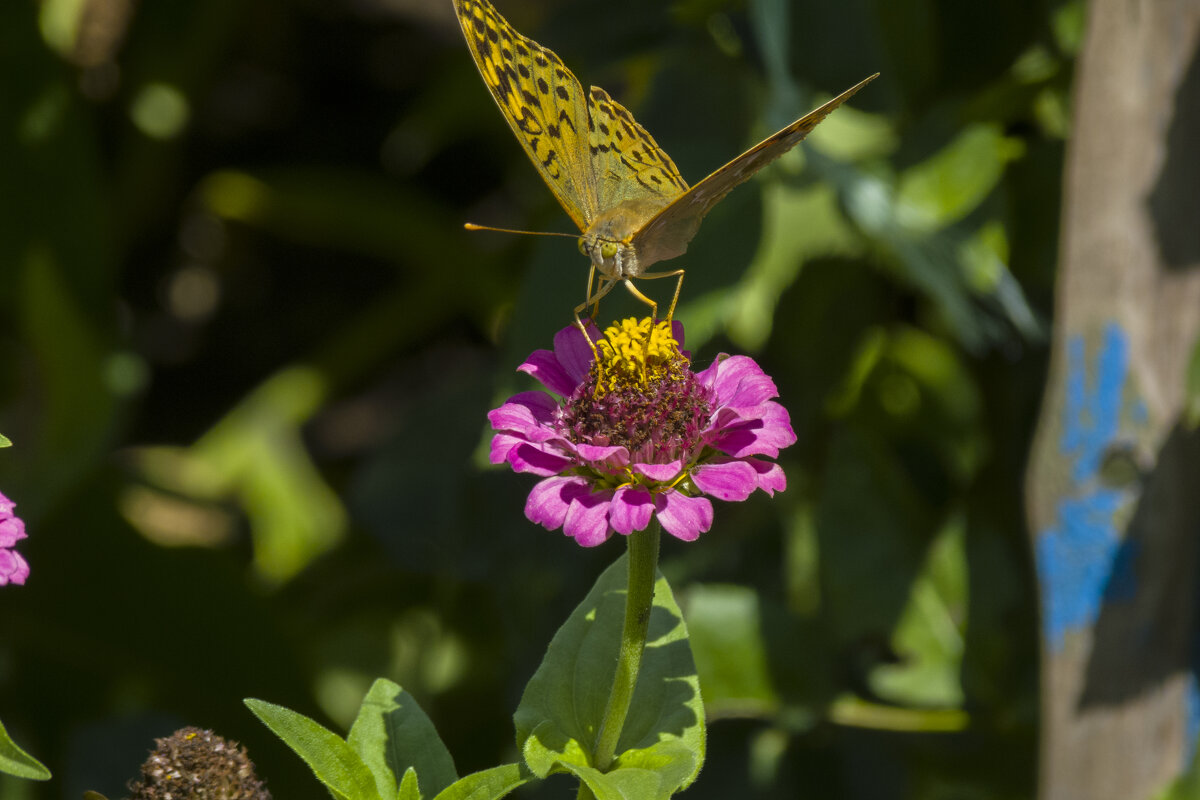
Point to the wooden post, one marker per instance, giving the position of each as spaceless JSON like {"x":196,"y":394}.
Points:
{"x":1113,"y":487}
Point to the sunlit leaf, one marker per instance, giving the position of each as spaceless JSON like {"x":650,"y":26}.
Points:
{"x":256,"y":454}
{"x":488,"y":784}
{"x":16,"y":761}
{"x":782,"y":251}
{"x":726,"y":638}
{"x":332,"y":760}
{"x":622,"y":784}
{"x":947,"y":186}
{"x":409,"y":788}
{"x":392,"y":735}
{"x":561,"y":709}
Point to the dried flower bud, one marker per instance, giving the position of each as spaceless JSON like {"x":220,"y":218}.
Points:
{"x":196,"y":764}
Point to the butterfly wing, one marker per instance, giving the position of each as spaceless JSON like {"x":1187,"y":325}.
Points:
{"x":626,"y":160}
{"x":542,"y":102}
{"x":667,"y":234}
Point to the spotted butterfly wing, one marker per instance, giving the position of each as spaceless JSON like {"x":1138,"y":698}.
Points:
{"x":541,"y":100}
{"x":586,"y":146}
{"x":626,"y":160}
{"x":666,"y":235}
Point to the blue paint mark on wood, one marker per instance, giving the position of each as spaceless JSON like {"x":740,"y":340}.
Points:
{"x":1080,"y":559}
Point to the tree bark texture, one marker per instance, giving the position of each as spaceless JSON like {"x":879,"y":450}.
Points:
{"x":1113,"y":487}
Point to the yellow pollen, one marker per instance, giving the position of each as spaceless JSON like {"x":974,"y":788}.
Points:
{"x":637,"y":352}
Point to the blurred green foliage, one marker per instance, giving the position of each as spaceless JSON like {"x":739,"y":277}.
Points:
{"x":248,"y":350}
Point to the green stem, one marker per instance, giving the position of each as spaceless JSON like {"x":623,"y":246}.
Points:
{"x":643,"y":567}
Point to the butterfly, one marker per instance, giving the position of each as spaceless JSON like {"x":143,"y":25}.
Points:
{"x":624,"y":193}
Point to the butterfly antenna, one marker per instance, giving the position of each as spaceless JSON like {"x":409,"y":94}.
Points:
{"x":471,"y":226}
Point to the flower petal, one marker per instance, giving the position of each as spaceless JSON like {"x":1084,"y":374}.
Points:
{"x":683,"y":517}
{"x":587,"y":519}
{"x":524,"y":412}
{"x":764,"y":436}
{"x":741,"y":440}
{"x":12,"y":530}
{"x":527,"y":458}
{"x":738,"y":382}
{"x":730,"y":480}
{"x":548,"y":502}
{"x":613,"y":456}
{"x":677,"y":333}
{"x":770,"y":475}
{"x":778,"y":424}
{"x":659,"y":472}
{"x":549,"y":371}
{"x":631,"y":510}
{"x":502,"y":444}
{"x":6,"y":506}
{"x":573,"y":352}
{"x":13,"y":568}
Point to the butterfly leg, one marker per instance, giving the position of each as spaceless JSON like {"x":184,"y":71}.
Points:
{"x":593,"y":300}
{"x":678,"y":285}
{"x":594,"y":303}
{"x":606,"y":286}
{"x":633,"y":290}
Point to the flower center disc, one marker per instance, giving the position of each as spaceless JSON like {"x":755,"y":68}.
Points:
{"x":640,"y":395}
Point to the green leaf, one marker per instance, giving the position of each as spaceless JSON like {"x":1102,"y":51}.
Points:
{"x":929,"y":634}
{"x":949,"y":185}
{"x":564,"y":702}
{"x":1191,"y":406}
{"x":488,"y":784}
{"x":408,"y":786}
{"x":731,"y":655}
{"x":984,"y":256}
{"x":258,"y":452}
{"x":256,"y":455}
{"x":332,"y":760}
{"x":784,"y":249}
{"x":622,"y":784}
{"x":5,"y":441}
{"x":675,"y":763}
{"x":547,"y":749}
{"x":392,"y":735}
{"x":16,"y":761}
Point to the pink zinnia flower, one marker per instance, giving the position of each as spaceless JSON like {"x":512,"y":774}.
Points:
{"x":13,"y":568}
{"x":652,"y":438}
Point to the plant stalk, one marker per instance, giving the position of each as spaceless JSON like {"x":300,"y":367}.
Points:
{"x":639,"y":597}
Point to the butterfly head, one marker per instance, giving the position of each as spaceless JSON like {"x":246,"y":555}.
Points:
{"x":612,"y":258}
{"x":609,"y":240}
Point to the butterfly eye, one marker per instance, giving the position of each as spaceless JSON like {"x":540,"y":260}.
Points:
{"x":608,"y":249}
{"x":583,"y":246}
